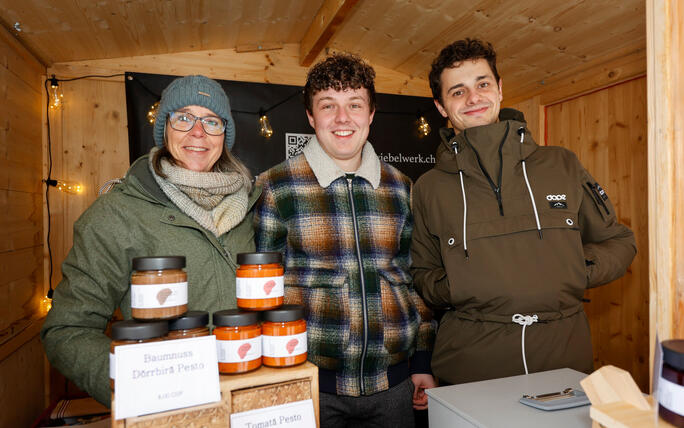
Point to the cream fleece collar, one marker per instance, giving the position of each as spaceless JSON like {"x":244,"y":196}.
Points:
{"x":326,"y":170}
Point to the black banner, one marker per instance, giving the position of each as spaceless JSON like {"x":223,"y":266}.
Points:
{"x":393,"y":133}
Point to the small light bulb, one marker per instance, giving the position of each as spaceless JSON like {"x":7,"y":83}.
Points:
{"x":152,"y":113}
{"x":69,"y":187}
{"x":265,"y":129}
{"x":423,"y":127}
{"x":46,"y":304}
{"x":56,"y":95}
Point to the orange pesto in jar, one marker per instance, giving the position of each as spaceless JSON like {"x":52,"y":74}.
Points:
{"x":259,"y":281}
{"x":238,"y":341}
{"x":284,"y":336}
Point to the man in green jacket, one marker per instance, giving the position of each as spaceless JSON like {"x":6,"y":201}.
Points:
{"x":508,"y":235}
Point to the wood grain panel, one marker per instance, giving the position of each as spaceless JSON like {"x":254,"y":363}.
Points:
{"x":21,"y":231}
{"x":607,"y":131}
{"x":22,"y":385}
{"x":17,"y":60}
{"x":21,"y":286}
{"x":21,"y":224}
{"x":20,"y":162}
{"x":59,"y":31}
{"x":89,"y":146}
{"x":279,"y":66}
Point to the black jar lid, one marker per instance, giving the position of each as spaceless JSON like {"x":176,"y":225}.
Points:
{"x":285,"y":313}
{"x":191,"y":319}
{"x":135,"y":330}
{"x":158,"y":263}
{"x":673,"y":353}
{"x":235,"y":317}
{"x":264,"y":258}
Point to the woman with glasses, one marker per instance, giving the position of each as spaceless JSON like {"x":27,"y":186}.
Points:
{"x":188,"y":197}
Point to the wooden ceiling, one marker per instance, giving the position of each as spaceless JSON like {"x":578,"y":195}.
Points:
{"x":539,"y":42}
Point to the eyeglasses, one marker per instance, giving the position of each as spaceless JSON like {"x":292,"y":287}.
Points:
{"x":183,"y":121}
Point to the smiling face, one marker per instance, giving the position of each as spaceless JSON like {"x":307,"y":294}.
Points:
{"x":195,"y":149}
{"x":470,"y":96}
{"x":342,"y":121}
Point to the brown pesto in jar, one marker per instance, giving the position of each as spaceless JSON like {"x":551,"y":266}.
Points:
{"x":131,"y":332}
{"x":159,"y":288}
{"x":192,"y":324}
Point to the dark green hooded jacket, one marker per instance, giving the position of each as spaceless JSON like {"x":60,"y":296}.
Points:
{"x":502,"y":262}
{"x":135,"y":219}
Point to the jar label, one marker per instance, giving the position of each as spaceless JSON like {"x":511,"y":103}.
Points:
{"x":284,"y":346}
{"x":152,"y":296}
{"x":112,"y":365}
{"x":260,"y":288}
{"x":238,"y":351}
{"x":671,"y":396}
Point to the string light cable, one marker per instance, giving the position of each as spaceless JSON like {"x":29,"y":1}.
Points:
{"x":49,"y":181}
{"x":265,"y":129}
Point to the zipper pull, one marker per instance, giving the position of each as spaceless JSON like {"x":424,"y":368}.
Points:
{"x":497,"y":192}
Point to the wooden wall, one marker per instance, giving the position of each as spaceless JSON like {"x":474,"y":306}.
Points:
{"x":607,"y":130}
{"x":665,"y":36}
{"x":21,"y":234}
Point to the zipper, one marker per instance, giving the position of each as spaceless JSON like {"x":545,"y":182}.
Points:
{"x":496,"y":188}
{"x":350,"y":177}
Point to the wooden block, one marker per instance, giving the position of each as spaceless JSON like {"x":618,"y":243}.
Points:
{"x":610,"y":384}
{"x":262,"y":388}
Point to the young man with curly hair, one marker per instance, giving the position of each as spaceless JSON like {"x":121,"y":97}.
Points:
{"x":508,"y":235}
{"x":342,"y":219}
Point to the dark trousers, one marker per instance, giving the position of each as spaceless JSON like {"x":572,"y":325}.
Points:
{"x":391,"y":408}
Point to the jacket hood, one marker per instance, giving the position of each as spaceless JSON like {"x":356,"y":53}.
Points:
{"x":508,"y":126}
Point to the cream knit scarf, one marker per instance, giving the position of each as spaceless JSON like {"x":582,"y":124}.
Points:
{"x":215,"y":200}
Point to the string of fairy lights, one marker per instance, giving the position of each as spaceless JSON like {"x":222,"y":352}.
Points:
{"x":264,"y":124}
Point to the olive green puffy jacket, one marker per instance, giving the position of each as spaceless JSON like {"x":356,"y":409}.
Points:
{"x":511,"y":267}
{"x":135,"y":219}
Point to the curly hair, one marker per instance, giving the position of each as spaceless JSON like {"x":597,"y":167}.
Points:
{"x":454,"y":54}
{"x":340,"y":71}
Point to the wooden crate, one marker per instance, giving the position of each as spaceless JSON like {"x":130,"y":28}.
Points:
{"x":264,"y":387}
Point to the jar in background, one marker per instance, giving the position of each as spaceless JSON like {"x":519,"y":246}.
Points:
{"x":159,"y":288}
{"x":671,"y":383}
{"x":284,"y":336}
{"x":238,"y":340}
{"x":192,"y":324}
{"x":131,"y":332}
{"x":259,"y":281}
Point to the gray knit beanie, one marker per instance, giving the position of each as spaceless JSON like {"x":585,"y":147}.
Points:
{"x":194,"y":90}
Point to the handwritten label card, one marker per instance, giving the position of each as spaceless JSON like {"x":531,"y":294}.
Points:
{"x":159,"y":376}
{"x":299,"y":414}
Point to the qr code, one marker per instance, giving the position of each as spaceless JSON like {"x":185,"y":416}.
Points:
{"x":294,"y":143}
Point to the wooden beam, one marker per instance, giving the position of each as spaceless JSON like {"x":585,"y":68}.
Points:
{"x":665,"y":41}
{"x":278,"y":66}
{"x":322,"y":29}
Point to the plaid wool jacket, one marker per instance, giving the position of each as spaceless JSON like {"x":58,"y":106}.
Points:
{"x":347,"y":261}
